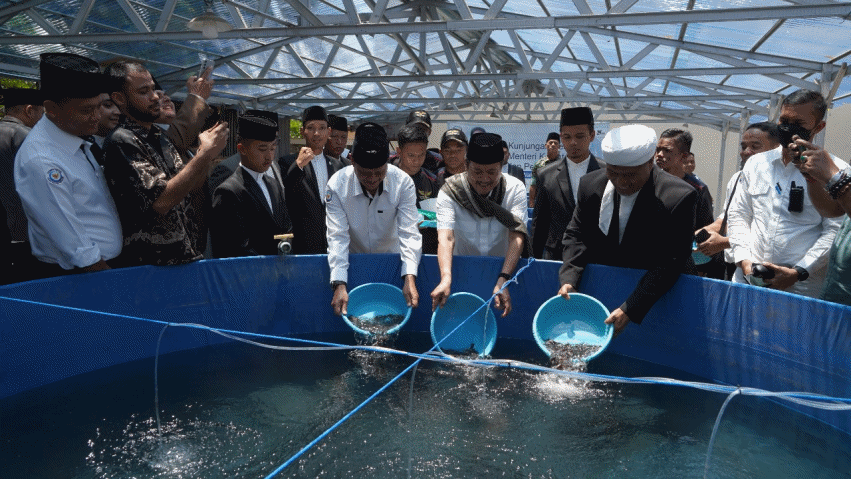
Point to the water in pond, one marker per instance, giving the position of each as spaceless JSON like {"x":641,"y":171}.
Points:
{"x":238,"y":411}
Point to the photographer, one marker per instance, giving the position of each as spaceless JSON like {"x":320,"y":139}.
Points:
{"x":829,"y":181}
{"x":771,"y":217}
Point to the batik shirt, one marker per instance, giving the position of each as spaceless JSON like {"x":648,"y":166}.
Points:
{"x":138,"y":163}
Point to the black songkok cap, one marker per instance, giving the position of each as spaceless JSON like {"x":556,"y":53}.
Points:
{"x":269,"y":115}
{"x":66,"y":75}
{"x":370,"y":148}
{"x":453,"y":134}
{"x":576,"y":116}
{"x":338,"y":123}
{"x":313,"y":113}
{"x":485,"y":149}
{"x":257,"y":128}
{"x":10,"y":97}
{"x":419,"y":116}
{"x":553,"y":136}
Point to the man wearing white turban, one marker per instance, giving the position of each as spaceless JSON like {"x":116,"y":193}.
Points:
{"x":634,"y":215}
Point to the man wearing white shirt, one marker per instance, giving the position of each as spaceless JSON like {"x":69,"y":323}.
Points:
{"x":757,"y":138}
{"x":305,"y":178}
{"x":558,"y":183}
{"x":481,"y":212}
{"x":772,"y":220}
{"x":371,"y":209}
{"x":248,"y":207}
{"x":72,"y":220}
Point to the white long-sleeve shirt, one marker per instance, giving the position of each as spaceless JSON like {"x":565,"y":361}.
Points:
{"x":761,"y":228}
{"x":476,"y":236}
{"x":728,"y":254}
{"x":358,"y":223}
{"x":72,"y":218}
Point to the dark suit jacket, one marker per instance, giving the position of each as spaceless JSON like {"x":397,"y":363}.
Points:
{"x":12,"y":134}
{"x":657,"y":237}
{"x":517,"y":172}
{"x":242,"y":224}
{"x":222,"y":171}
{"x":305,"y":204}
{"x":554,"y":207}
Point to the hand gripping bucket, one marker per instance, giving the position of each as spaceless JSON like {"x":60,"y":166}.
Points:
{"x":577,"y":321}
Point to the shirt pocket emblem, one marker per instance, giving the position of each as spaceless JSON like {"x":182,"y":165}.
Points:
{"x":55,"y":176}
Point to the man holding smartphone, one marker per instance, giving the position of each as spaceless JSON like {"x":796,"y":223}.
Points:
{"x":771,"y":219}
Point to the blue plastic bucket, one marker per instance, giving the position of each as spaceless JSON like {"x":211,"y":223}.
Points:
{"x":478,"y":333}
{"x":373,"y":300}
{"x":579,"y":320}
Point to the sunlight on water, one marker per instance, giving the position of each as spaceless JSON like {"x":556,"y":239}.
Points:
{"x":248,"y":413}
{"x":186,"y":449}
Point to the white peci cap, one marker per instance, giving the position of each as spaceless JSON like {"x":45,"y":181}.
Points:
{"x":630,"y":145}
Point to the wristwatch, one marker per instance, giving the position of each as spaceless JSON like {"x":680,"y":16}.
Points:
{"x":837,"y":178}
{"x":334,"y":284}
{"x":802,"y":273}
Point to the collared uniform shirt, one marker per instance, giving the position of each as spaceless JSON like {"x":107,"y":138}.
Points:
{"x":358,"y":223}
{"x":320,"y":169}
{"x":762,"y":229}
{"x":476,"y":236}
{"x":728,"y":253}
{"x":575,"y":172}
{"x":258,"y":178}
{"x":72,"y":218}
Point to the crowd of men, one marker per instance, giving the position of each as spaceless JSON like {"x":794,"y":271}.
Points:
{"x":101,"y":171}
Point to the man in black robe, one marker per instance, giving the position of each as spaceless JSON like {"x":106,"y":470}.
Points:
{"x":634,"y":215}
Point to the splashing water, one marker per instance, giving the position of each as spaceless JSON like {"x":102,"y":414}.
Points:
{"x":570,"y":357}
{"x":378,"y":324}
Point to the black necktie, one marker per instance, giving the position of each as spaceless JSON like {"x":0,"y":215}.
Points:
{"x":88,"y":157}
{"x":96,"y":150}
{"x":614,"y":226}
{"x":275,"y":194}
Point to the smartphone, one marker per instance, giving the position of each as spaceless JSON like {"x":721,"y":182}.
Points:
{"x":205,"y":64}
{"x":786,"y":131}
{"x":701,"y":236}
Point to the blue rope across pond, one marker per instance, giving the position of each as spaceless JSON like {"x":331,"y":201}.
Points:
{"x":389,"y":383}
{"x":800,"y":398}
